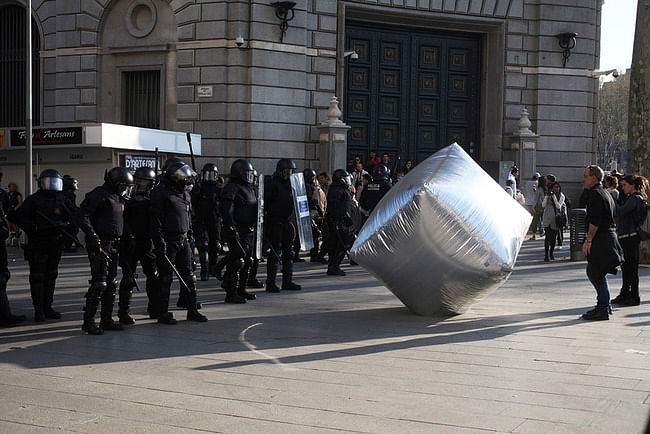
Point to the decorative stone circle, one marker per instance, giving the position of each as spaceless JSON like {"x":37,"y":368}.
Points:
{"x":140,"y":18}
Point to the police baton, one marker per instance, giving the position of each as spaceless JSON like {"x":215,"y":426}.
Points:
{"x":238,"y":241}
{"x":268,"y":243}
{"x":189,"y":143}
{"x":180,"y":279}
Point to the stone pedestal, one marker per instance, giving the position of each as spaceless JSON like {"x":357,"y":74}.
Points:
{"x":333,"y":134}
{"x":521,"y":146}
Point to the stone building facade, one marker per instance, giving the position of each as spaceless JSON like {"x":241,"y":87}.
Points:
{"x":428,"y":72}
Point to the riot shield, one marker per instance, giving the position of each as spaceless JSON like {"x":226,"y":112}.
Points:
{"x":301,"y":208}
{"x":259,"y":235}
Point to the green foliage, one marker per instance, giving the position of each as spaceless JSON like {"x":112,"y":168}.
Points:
{"x":612,"y":119}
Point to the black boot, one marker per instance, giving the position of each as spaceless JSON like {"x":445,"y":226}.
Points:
{"x":6,"y":317}
{"x":287,"y":280}
{"x":106,"y":314}
{"x":271,"y":273}
{"x":205,"y":271}
{"x":37,"y":291}
{"x":92,"y":302}
{"x":193,"y":314}
{"x":124,"y":304}
{"x":241,"y":285}
{"x":622,"y":296}
{"x":252,"y":276}
{"x":231,"y":282}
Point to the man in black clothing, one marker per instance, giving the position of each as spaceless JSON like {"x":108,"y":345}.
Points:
{"x":103,"y":223}
{"x":207,"y":222}
{"x":339,"y":202}
{"x":70,"y":187}
{"x":136,"y":245}
{"x":6,"y":317}
{"x":238,"y":209}
{"x":375,"y":190}
{"x":170,"y":226}
{"x":602,"y":249}
{"x":278,"y":225}
{"x":43,"y":216}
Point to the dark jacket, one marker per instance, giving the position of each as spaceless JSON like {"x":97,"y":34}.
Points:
{"x":170,"y":213}
{"x":629,"y":214}
{"x":278,"y":199}
{"x":606,"y":253}
{"x":51,"y":204}
{"x":339,"y":202}
{"x":102,"y":213}
{"x":238,"y":205}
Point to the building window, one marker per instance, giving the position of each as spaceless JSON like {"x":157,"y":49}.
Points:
{"x":12,"y":68}
{"x":141,"y":98}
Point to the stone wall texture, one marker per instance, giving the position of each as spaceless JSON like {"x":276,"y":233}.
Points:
{"x":267,"y":97}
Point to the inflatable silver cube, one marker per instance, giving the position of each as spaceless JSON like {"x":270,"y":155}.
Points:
{"x":444,"y":236}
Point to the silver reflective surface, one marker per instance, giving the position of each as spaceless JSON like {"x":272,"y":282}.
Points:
{"x":444,"y":236}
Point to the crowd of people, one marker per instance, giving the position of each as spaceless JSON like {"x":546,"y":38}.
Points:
{"x":616,"y":207}
{"x":160,"y":220}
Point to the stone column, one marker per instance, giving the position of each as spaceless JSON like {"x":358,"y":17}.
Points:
{"x":333,"y":137}
{"x":521,"y":146}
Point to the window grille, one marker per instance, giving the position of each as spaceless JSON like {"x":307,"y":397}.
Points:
{"x":12,"y":68}
{"x":141,"y":98}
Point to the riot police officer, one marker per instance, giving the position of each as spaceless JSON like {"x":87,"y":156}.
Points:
{"x":43,"y":216}
{"x":6,"y":317}
{"x":239,"y":212}
{"x":375,"y":190}
{"x":278,"y":226}
{"x":70,"y":187}
{"x":207,"y":222}
{"x":339,"y":202}
{"x":103,"y":223}
{"x":170,"y":228}
{"x":136,"y":245}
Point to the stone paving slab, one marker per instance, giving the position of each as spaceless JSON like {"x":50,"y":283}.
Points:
{"x":342,"y":355}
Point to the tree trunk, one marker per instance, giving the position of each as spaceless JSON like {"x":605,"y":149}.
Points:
{"x":639,"y":110}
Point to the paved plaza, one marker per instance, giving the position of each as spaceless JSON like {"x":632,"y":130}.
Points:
{"x":343,"y":354}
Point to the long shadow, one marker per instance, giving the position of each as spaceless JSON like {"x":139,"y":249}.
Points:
{"x":351,"y":328}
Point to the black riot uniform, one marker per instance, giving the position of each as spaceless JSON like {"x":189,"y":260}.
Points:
{"x":341,"y":234}
{"x":278,"y":226}
{"x":136,"y":245}
{"x":375,"y":190}
{"x":207,"y":222}
{"x":103,"y":223}
{"x":5,"y":200}
{"x":70,"y":187}
{"x":238,"y":209}
{"x":43,"y":216}
{"x":170,"y":226}
{"x":6,"y":317}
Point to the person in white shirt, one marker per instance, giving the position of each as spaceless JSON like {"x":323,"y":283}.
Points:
{"x":512,"y":177}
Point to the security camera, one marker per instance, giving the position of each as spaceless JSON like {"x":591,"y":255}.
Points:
{"x":615,"y":74}
{"x":239,"y":41}
{"x":354,"y":56}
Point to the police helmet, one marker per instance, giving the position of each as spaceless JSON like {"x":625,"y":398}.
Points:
{"x":285,"y":168}
{"x":179,"y":177}
{"x":120,"y":181}
{"x":309,"y":174}
{"x":380,"y":172}
{"x":50,"y":180}
{"x":341,"y":176}
{"x":210,"y":173}
{"x":242,"y":171}
{"x":70,"y":183}
{"x":169,"y":162}
{"x":145,"y":179}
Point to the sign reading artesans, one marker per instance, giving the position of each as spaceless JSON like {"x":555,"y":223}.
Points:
{"x":49,"y":136}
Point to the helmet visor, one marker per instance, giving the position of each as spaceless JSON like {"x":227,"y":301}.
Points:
{"x":51,"y":183}
{"x":124,"y":190}
{"x":143,"y":185}
{"x":249,"y":176}
{"x":347,"y":180}
{"x":210,"y":176}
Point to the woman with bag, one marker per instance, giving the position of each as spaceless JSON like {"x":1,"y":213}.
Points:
{"x":554,"y":218}
{"x":629,"y":217}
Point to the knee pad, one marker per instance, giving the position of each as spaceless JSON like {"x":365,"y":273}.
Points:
{"x":249,"y":262}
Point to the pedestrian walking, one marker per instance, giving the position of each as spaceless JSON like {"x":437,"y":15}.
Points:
{"x":553,"y":219}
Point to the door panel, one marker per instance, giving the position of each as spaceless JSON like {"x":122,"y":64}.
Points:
{"x":411,"y":92}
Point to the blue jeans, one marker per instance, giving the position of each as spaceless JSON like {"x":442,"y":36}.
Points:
{"x":598,"y":278}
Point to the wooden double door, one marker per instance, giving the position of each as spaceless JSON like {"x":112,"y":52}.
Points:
{"x":411,"y":91}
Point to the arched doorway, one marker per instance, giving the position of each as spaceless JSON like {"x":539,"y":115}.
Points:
{"x":12,"y":67}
